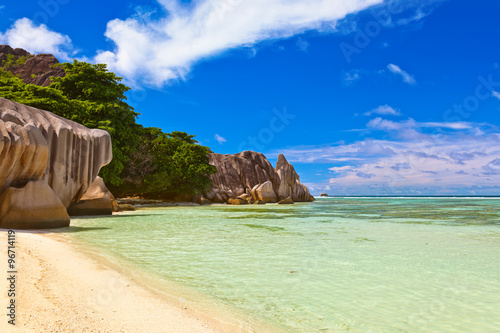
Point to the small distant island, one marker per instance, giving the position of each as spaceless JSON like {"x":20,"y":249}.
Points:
{"x":324,"y":195}
{"x":71,"y":123}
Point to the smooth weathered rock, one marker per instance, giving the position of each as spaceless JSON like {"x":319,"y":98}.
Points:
{"x":219,"y":198}
{"x":247,"y":172}
{"x":287,"y":201}
{"x":324,"y":195}
{"x":126,"y":208}
{"x":264,"y":192}
{"x":237,"y":201}
{"x":244,"y":196}
{"x":39,"y":145}
{"x":290,"y":185}
{"x":32,"y":206}
{"x":98,"y":200}
{"x":116,"y":206}
{"x":215,"y":196}
{"x":205,"y":202}
{"x":259,"y":202}
{"x":239,"y":173}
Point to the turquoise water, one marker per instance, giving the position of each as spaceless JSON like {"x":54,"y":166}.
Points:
{"x":338,"y":264}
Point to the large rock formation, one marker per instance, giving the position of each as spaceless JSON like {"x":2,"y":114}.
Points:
{"x":251,"y":173}
{"x":287,"y":201}
{"x":98,"y":200}
{"x":38,"y":147}
{"x":289,"y":184}
{"x":33,"y":206}
{"x":264,"y":192}
{"x":37,"y":69}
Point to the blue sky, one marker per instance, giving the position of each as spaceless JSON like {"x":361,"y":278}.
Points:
{"x":364,"y":97}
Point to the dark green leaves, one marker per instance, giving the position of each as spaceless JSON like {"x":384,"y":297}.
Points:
{"x":145,"y":160}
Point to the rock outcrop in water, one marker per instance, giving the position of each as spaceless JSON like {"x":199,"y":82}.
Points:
{"x":46,"y":162}
{"x":251,"y":173}
{"x":289,"y":184}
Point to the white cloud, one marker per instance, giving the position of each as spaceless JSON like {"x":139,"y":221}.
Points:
{"x":389,"y":125}
{"x":459,"y":125}
{"x":36,"y":39}
{"x":348,"y":78}
{"x":450,"y":157}
{"x":385,"y":125}
{"x":303,"y":45}
{"x":383,"y":110}
{"x":220,"y":139}
{"x":419,"y":15}
{"x":496,"y":94}
{"x":398,"y":71}
{"x":493,"y":167}
{"x":160,"y":50}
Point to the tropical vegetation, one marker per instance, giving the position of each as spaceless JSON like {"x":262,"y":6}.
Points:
{"x":146,"y":161}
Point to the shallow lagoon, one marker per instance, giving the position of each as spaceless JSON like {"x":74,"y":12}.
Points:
{"x":356,"y":264}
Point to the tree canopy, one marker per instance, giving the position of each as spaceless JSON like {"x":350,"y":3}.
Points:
{"x":145,"y":160}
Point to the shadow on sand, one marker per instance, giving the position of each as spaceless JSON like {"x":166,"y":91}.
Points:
{"x":73,"y":229}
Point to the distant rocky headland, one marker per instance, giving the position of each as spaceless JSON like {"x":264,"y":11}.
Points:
{"x":251,"y":177}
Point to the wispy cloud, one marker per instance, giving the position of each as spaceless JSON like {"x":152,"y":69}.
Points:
{"x":220,"y":139}
{"x":459,"y":125}
{"x":349,"y":78}
{"x":404,"y":75}
{"x":492,"y":168}
{"x":383,"y":110}
{"x":384,"y":124}
{"x":37,"y":39}
{"x":437,"y":156}
{"x":496,"y":94}
{"x":160,"y":50}
{"x":303,"y":45}
{"x":419,"y":15}
{"x":389,"y":125}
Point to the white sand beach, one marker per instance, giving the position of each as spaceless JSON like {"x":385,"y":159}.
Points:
{"x":61,"y":289}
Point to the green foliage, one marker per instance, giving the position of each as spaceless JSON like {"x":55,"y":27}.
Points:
{"x":167,"y":164}
{"x":73,"y":97}
{"x":104,"y":96}
{"x":88,"y":82}
{"x":12,"y":61}
{"x":145,"y":160}
{"x":181,"y":164}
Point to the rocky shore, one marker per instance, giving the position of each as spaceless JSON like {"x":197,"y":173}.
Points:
{"x":250,"y":175}
{"x":46,"y":163}
{"x":49,"y":167}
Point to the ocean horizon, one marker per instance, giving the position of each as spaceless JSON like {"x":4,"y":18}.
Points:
{"x":359,"y":264}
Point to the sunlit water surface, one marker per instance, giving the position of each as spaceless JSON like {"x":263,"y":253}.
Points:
{"x":338,"y":264}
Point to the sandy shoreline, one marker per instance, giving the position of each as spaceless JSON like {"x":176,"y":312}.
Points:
{"x":62,"y":289}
